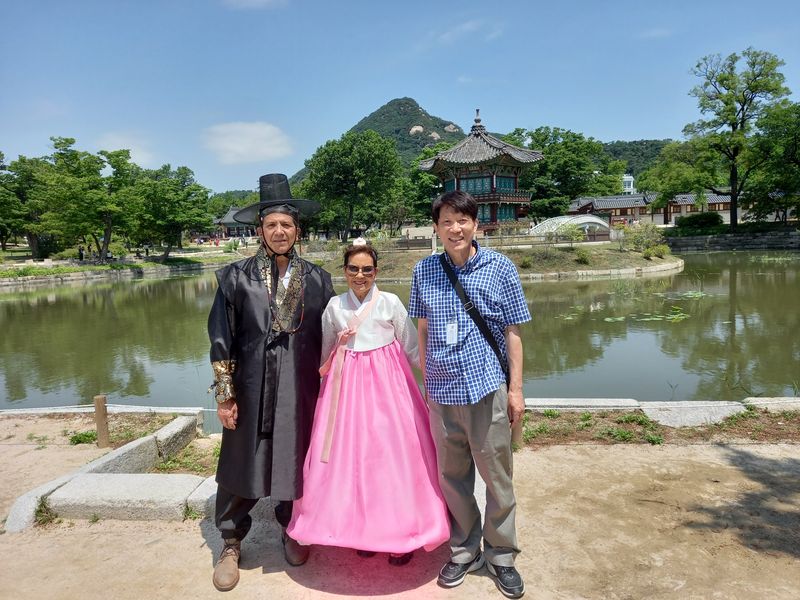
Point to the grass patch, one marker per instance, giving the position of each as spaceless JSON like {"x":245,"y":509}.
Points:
{"x":190,"y":514}
{"x":44,"y":515}
{"x":635,"y":427}
{"x":124,"y":428}
{"x":551,"y":413}
{"x":83,"y":437}
{"x":617,"y":434}
{"x":198,"y":458}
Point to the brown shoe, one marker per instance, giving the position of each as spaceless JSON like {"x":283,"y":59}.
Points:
{"x":226,"y":571}
{"x":294,"y":553}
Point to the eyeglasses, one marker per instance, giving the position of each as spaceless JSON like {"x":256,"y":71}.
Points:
{"x":354,"y":270}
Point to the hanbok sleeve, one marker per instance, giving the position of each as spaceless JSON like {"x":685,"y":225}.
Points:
{"x":221,"y":325}
{"x":329,"y":332}
{"x":405,"y":332}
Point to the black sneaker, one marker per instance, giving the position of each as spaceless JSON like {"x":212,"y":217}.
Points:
{"x":508,"y":579}
{"x":452,"y":574}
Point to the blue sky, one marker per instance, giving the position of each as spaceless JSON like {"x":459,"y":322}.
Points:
{"x":234,"y":89}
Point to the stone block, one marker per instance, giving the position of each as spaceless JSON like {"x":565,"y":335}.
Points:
{"x":143,"y":496}
{"x":203,"y":498}
{"x":175,"y":436}
{"x":138,"y":456}
{"x":690,"y":414}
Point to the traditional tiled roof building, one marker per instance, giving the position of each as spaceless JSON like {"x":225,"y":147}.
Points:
{"x":635,"y":207}
{"x":230,"y":227}
{"x":489,"y":169}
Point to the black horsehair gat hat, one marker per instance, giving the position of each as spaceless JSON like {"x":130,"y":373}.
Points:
{"x":274,"y":192}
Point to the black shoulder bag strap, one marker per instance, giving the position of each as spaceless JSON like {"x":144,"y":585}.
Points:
{"x":472,"y":311}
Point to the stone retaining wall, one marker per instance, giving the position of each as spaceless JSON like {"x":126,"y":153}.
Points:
{"x":783,"y":240}
{"x":108,"y":275}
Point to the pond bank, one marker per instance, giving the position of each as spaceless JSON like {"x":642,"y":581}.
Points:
{"x":667,"y":264}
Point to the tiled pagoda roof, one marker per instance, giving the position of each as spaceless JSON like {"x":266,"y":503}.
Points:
{"x":479,"y":147}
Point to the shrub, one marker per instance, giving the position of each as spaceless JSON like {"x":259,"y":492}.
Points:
{"x":644,"y":235}
{"x":661,"y":250}
{"x":647,"y":253}
{"x":582,"y":256}
{"x":68,"y":254}
{"x":570,"y":232}
{"x":699,"y":220}
{"x":526,"y":263}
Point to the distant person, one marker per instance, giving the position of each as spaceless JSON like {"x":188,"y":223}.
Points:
{"x":81,"y":253}
{"x":266,"y":335}
{"x":370,"y":480}
{"x":474,"y":387}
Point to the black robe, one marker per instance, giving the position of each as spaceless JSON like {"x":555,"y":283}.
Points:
{"x":253,"y":462}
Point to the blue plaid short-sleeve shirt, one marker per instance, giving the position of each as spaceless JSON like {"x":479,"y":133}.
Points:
{"x":468,"y":370}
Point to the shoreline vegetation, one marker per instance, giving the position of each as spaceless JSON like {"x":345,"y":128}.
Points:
{"x":551,"y":427}
{"x":548,"y":261}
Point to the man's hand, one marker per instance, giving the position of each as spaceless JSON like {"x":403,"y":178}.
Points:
{"x":228,"y":413}
{"x":516,"y":406}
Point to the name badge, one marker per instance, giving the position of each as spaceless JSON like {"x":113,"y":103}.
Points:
{"x":452,"y":333}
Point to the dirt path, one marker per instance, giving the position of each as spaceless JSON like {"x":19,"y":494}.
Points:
{"x":596,"y":522}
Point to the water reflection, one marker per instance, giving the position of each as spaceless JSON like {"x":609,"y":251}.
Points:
{"x":725,"y":328}
{"x":129,"y":340}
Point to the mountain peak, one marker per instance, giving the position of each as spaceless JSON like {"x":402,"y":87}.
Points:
{"x":411,"y":126}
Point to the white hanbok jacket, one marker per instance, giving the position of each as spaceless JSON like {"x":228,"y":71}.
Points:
{"x":387,"y":321}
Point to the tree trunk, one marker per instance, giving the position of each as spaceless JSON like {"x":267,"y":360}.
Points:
{"x":96,"y":243}
{"x":106,"y":237}
{"x":349,"y":224}
{"x":734,"y":196}
{"x":33,"y":244}
{"x":165,"y":256}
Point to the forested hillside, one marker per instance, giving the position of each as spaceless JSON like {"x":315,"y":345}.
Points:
{"x":638,"y":154}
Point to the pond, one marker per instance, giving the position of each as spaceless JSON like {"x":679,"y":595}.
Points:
{"x":725,"y":328}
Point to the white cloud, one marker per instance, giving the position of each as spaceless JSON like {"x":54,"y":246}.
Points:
{"x":654,"y":34}
{"x":475,"y":30}
{"x":459,"y":31}
{"x":247,"y":4}
{"x":120,"y":140}
{"x":494,"y":33}
{"x":464,"y":79}
{"x":240,"y":142}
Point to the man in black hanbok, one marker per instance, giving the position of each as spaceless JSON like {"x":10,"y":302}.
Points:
{"x":265,"y":332}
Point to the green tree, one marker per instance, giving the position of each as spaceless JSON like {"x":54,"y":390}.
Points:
{"x":26,"y":179}
{"x":573,"y":166}
{"x":171,"y":202}
{"x":777,"y":189}
{"x":732,"y":99}
{"x":12,"y":212}
{"x":353,"y":177}
{"x":219,"y":204}
{"x":425,"y":186}
{"x":682,"y":167}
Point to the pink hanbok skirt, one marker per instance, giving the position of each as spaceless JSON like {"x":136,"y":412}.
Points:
{"x":379,"y":490}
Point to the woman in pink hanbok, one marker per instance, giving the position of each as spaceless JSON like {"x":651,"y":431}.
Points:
{"x":370,"y":480}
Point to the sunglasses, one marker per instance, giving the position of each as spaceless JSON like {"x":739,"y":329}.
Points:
{"x":354,"y":270}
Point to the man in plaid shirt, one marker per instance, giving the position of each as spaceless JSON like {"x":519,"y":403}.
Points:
{"x":472,"y":408}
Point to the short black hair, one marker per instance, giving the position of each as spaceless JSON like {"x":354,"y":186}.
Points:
{"x":362,"y":249}
{"x":459,"y":201}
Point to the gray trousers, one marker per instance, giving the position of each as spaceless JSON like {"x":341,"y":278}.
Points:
{"x":466,"y":437}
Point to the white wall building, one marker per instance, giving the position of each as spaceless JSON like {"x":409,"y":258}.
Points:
{"x":628,"y":185}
